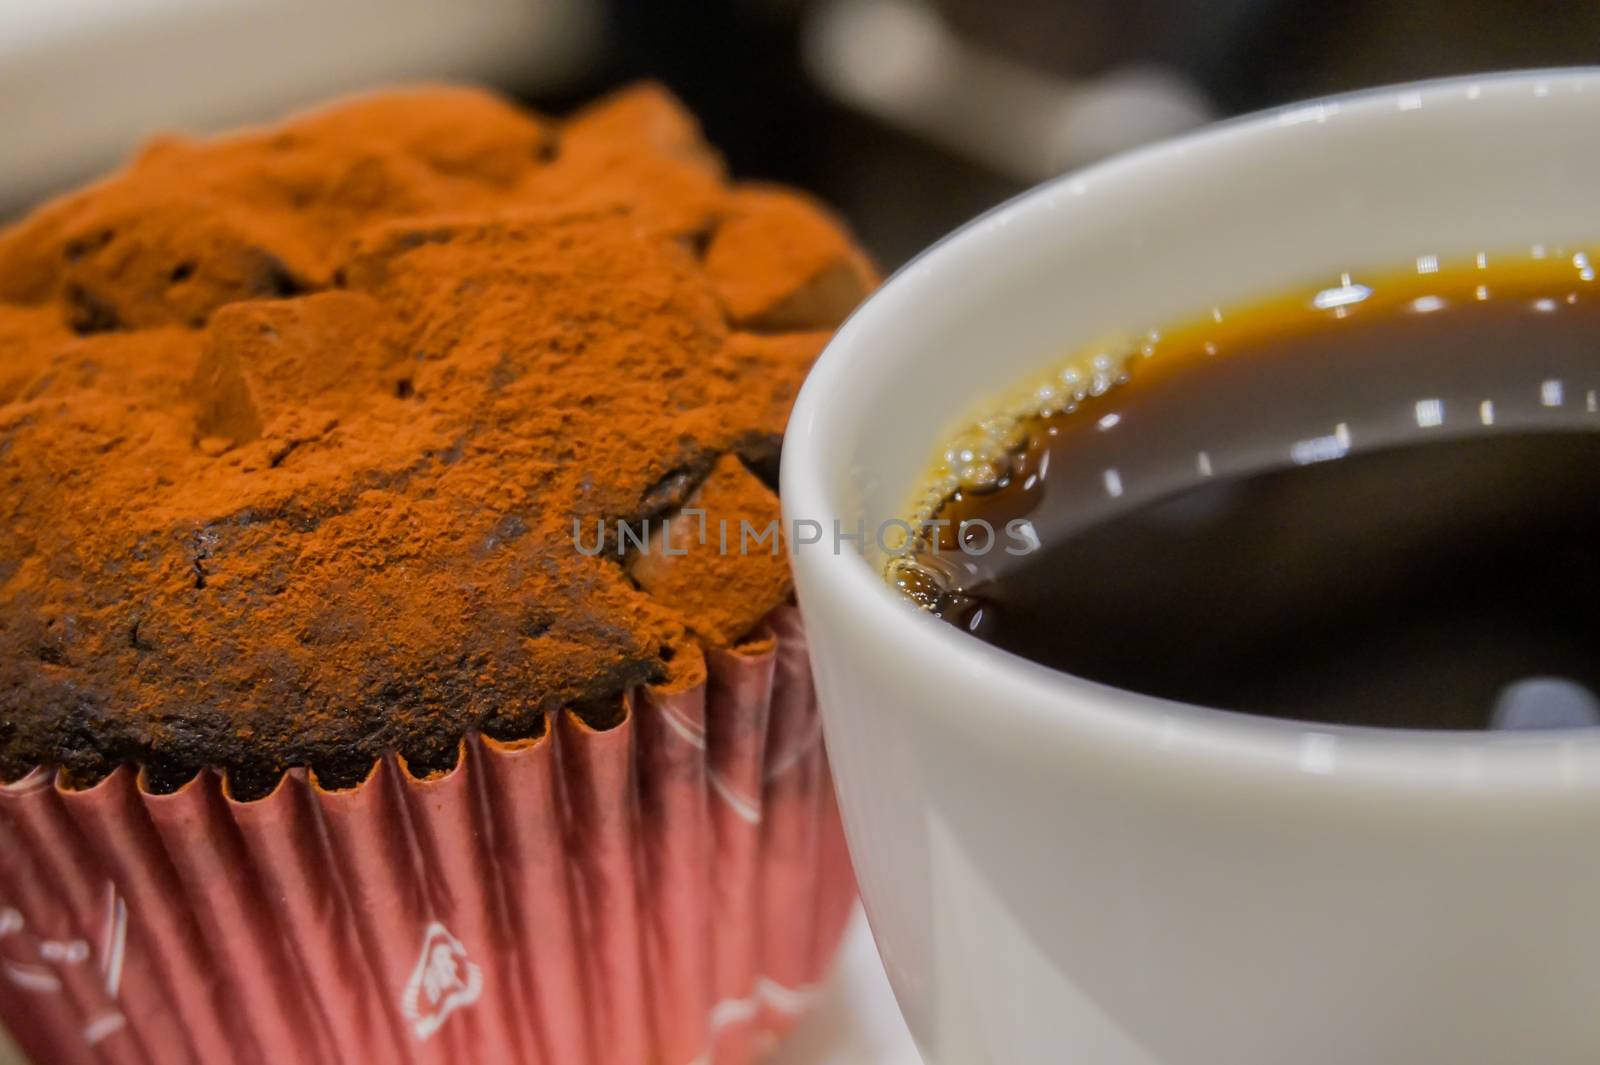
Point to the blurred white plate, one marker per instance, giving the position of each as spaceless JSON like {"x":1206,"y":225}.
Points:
{"x":84,"y":81}
{"x":857,"y":1022}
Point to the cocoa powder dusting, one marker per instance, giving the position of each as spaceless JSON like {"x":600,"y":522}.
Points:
{"x":295,"y":426}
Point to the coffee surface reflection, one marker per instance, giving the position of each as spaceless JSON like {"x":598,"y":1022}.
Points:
{"x":1375,"y":502}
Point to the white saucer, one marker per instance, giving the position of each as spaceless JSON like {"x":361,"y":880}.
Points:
{"x":857,"y":1022}
{"x":84,"y":81}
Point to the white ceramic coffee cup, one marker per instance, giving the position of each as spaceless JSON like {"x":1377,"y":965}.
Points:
{"x":1060,"y":871}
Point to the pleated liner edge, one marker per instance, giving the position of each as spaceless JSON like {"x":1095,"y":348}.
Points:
{"x":667,"y":891}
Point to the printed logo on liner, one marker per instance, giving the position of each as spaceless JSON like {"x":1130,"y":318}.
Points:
{"x":444,"y":981}
{"x":36,"y":964}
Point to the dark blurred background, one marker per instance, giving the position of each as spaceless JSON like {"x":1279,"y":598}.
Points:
{"x":909,"y":115}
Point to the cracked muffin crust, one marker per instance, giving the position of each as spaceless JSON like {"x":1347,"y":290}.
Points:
{"x":296,"y":425}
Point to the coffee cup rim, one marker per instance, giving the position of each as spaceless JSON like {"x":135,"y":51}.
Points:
{"x":1042,"y":702}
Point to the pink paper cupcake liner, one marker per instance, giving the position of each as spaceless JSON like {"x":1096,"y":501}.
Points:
{"x":665,"y":891}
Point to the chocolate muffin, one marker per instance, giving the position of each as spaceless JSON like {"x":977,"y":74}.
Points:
{"x":308,"y":435}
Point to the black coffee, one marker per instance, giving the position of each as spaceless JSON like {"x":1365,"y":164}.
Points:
{"x":1373,"y":505}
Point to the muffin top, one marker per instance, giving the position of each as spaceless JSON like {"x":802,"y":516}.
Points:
{"x":308,"y":435}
